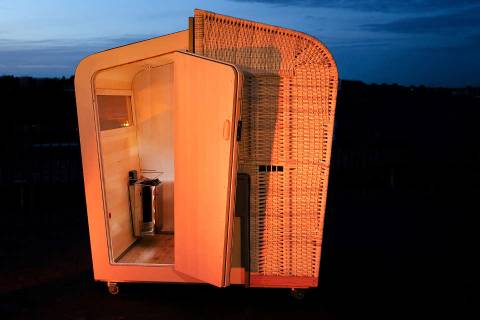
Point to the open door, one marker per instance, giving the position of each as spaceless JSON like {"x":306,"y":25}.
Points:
{"x":205,"y":147}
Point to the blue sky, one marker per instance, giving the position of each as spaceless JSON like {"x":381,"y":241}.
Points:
{"x":408,"y":42}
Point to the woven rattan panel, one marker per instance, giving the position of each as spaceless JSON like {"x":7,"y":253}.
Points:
{"x":288,"y":108}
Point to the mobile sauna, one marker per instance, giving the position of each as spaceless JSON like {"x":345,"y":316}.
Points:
{"x":206,"y":155}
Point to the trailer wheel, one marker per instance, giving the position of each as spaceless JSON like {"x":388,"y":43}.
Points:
{"x":113,"y":288}
{"x":298,"y":294}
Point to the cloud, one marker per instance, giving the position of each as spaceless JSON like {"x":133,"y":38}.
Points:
{"x":374,"y":5}
{"x":101,"y":42}
{"x":361,"y":43}
{"x":43,"y":66}
{"x":53,"y":57}
{"x":470,"y":44}
{"x":456,"y":22}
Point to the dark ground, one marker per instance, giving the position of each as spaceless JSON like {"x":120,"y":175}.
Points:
{"x":400,"y":228}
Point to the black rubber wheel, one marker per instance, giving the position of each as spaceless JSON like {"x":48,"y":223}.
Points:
{"x":298,"y":294}
{"x":113,"y":288}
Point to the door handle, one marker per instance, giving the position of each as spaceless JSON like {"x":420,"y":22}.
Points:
{"x":226,"y":130}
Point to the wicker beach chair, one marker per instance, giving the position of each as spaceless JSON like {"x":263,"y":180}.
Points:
{"x":288,"y":107}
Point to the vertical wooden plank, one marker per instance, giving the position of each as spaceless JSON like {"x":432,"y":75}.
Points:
{"x":191,"y":34}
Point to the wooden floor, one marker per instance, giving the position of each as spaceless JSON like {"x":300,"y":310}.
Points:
{"x":157,"y":249}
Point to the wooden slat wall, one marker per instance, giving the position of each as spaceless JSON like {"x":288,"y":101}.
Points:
{"x":153,"y":97}
{"x":119,"y":155}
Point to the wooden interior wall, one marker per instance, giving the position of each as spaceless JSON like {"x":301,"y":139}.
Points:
{"x":119,"y":155}
{"x":153,"y":97}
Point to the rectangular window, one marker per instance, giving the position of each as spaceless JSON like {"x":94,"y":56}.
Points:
{"x":114,"y":111}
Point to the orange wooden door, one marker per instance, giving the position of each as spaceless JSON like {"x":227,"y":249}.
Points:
{"x":205,"y":118}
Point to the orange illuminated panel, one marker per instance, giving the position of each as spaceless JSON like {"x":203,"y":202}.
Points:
{"x":114,"y":111}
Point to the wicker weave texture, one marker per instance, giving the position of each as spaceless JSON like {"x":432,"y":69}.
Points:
{"x":288,"y":107}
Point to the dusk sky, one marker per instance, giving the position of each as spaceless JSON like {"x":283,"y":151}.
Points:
{"x":433,"y":43}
